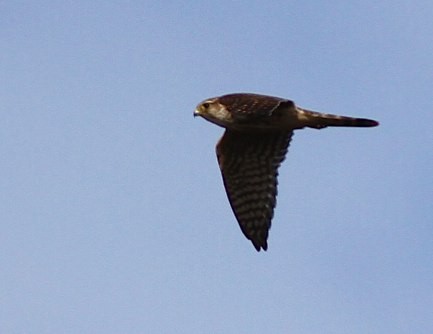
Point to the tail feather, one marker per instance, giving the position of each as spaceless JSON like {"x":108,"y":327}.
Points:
{"x":319,"y":120}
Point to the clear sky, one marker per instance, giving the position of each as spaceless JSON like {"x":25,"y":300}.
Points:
{"x":113,"y":216}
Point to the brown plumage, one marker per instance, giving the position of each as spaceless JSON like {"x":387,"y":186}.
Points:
{"x":258,"y":132}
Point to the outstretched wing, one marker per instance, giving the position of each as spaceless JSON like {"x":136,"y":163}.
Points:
{"x":249,"y":165}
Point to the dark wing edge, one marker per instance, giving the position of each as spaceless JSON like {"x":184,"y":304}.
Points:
{"x":249,"y":165}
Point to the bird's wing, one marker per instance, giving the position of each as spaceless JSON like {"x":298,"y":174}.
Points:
{"x":250,"y":107}
{"x":249,"y":165}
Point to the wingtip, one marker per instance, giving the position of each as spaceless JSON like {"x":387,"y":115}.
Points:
{"x":259,"y":247}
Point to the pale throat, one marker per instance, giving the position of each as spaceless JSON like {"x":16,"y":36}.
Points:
{"x":219,"y":115}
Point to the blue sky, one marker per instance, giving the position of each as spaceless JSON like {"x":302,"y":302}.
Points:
{"x":113,"y":214}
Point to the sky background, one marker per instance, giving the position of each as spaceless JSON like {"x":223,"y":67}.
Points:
{"x":113,"y":216}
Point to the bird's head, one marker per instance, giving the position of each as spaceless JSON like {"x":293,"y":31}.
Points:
{"x":213,"y":111}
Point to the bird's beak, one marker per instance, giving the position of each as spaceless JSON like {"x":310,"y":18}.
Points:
{"x":196,"y":113}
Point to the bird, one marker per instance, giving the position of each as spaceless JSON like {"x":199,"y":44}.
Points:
{"x":258,"y":131}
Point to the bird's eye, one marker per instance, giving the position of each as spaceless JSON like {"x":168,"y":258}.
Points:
{"x":205,"y":105}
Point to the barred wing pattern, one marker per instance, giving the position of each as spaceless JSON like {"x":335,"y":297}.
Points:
{"x":250,"y":107}
{"x":249,"y":165}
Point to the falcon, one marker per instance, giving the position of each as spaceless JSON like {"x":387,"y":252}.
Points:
{"x":258,"y":130}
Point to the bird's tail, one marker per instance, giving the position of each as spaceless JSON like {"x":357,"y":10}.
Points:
{"x":319,"y":120}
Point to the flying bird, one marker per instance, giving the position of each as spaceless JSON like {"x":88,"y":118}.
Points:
{"x":258,"y":130}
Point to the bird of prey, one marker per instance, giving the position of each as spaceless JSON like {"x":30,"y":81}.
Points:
{"x":258,"y":130}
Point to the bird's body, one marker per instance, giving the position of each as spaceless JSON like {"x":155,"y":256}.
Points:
{"x":258,"y":132}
